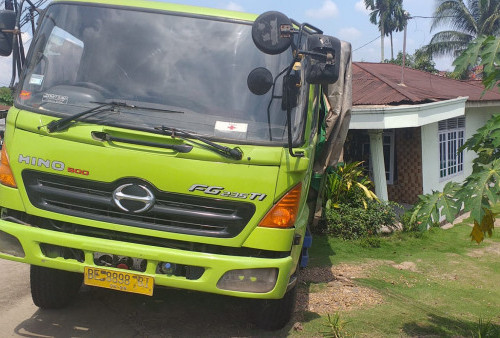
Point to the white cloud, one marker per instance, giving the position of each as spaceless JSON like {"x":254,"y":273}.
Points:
{"x":349,"y":33}
{"x":328,"y":10}
{"x":360,"y":7}
{"x":233,"y":6}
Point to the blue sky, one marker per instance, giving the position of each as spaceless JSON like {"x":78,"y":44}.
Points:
{"x":347,"y":20}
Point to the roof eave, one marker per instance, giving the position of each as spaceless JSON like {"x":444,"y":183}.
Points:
{"x":407,"y":116}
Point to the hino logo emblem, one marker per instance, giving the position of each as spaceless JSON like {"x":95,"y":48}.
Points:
{"x":133,"y":198}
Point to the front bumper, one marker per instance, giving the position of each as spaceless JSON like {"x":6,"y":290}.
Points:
{"x":215,"y":265}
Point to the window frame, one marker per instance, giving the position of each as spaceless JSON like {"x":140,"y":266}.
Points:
{"x":450,"y":137}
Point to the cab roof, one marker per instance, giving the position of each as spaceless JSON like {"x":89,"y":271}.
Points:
{"x":169,"y":7}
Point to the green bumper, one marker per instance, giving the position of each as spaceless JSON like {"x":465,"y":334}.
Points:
{"x":215,"y":265}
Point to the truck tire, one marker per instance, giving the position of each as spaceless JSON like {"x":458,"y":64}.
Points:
{"x":53,"y":289}
{"x":274,"y":314}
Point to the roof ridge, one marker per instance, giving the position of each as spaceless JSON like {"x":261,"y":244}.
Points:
{"x":388,"y":82}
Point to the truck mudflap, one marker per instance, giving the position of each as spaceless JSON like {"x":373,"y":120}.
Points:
{"x":213,"y":272}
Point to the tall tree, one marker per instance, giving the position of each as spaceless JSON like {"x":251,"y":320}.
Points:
{"x":396,"y":20}
{"x":419,"y":60}
{"x":389,"y":16}
{"x":466,"y":21}
{"x":378,"y":15}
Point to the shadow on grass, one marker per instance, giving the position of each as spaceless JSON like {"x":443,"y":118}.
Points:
{"x":440,"y":326}
{"x":321,"y":251}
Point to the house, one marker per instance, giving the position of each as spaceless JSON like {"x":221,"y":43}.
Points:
{"x":408,"y":126}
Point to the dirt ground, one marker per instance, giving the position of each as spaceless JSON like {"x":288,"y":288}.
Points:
{"x":336,"y":291}
{"x":169,"y":313}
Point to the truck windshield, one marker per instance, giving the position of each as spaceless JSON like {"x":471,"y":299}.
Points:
{"x":194,"y":64}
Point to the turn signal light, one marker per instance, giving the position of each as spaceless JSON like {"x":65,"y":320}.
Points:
{"x":6,"y":176}
{"x":284,"y":213}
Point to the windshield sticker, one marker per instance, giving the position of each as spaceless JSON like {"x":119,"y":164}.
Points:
{"x":36,"y":79}
{"x":54,"y":98}
{"x":231,"y":127}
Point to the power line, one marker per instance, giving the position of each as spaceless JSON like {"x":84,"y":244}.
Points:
{"x":411,"y":17}
{"x":366,"y":44}
{"x":429,"y":17}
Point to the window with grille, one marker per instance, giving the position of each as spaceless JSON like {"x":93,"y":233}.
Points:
{"x":451,"y":137}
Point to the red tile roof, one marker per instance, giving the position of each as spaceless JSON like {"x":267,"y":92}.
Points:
{"x":380,"y":84}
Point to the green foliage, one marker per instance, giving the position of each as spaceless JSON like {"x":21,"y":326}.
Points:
{"x":336,"y":326}
{"x":409,"y":223}
{"x":420,"y":60}
{"x":349,"y":222}
{"x":470,"y":56}
{"x":485,"y":142}
{"x":479,"y":194}
{"x":6,"y":97}
{"x":348,"y":184}
{"x":466,"y":21}
{"x":370,"y":242}
{"x":428,"y":210}
{"x":388,"y":15}
{"x":485,"y":51}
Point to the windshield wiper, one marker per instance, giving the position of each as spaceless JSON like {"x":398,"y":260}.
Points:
{"x":234,"y":153}
{"x":102,"y":136}
{"x":66,"y":122}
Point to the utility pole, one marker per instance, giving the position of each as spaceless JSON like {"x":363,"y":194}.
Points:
{"x":381,"y":41}
{"x":407,"y":16}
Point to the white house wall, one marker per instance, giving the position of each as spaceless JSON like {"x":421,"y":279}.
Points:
{"x":475,"y":118}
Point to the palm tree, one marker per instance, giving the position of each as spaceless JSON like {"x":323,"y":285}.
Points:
{"x":396,"y":21}
{"x":389,"y":16}
{"x":466,"y":20}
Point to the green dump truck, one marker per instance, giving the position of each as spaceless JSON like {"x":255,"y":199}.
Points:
{"x":154,"y":144}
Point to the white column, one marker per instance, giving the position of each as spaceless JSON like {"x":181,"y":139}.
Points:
{"x":378,"y":164}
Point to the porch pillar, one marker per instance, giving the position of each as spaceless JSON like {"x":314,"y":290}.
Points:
{"x":378,"y":164}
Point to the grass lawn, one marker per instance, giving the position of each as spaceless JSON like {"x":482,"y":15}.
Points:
{"x":438,"y":284}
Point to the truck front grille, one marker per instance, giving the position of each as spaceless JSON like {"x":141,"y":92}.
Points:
{"x":171,"y":212}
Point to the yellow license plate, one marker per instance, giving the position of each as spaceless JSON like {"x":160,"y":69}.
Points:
{"x":119,"y":280}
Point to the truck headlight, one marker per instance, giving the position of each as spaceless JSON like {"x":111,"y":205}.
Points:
{"x":10,"y":245}
{"x":249,"y":280}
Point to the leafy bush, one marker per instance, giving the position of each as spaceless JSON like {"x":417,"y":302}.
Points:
{"x":370,"y":242}
{"x":350,"y":222}
{"x":348,"y":184}
{"x":6,"y":96}
{"x":408,"y":223}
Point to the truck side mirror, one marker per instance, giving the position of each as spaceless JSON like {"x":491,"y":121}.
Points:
{"x":7,"y":23}
{"x":324,"y":66}
{"x":272,"y":32}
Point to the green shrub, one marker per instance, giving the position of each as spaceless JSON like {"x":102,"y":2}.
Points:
{"x":350,"y":222}
{"x":348,"y":184}
{"x":408,"y":223}
{"x":370,"y":242}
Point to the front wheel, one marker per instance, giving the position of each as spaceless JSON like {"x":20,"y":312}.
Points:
{"x":53,"y":289}
{"x":274,"y":314}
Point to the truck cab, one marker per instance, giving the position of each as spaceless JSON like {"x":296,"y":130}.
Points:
{"x":154,"y":144}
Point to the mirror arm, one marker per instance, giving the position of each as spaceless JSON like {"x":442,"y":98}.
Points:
{"x":289,"y":115}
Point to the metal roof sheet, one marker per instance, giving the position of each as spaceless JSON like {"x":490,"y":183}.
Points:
{"x":380,"y":84}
